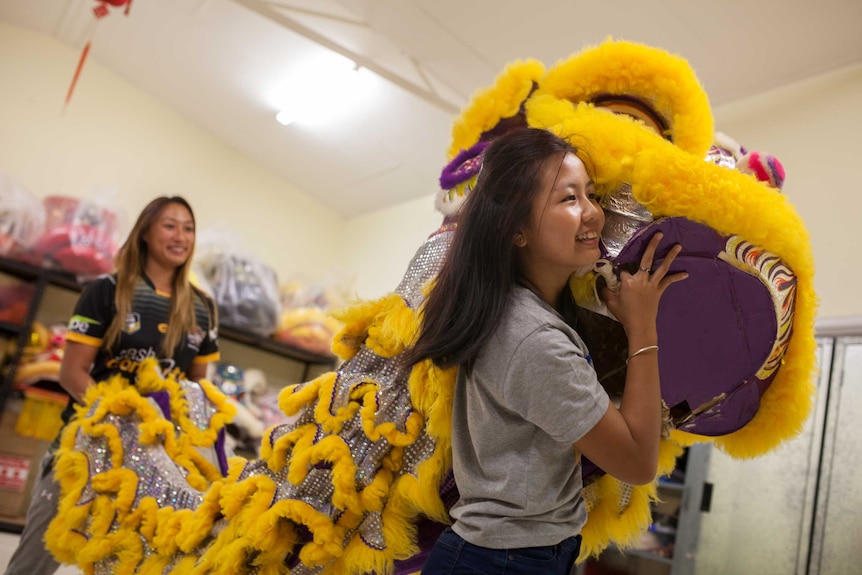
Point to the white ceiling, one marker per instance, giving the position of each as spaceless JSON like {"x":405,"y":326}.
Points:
{"x":219,"y":62}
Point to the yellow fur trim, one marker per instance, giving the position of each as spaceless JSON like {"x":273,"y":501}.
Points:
{"x":490,"y":105}
{"x":607,"y":521}
{"x":292,"y":398}
{"x":671,"y":182}
{"x":766,"y":218}
{"x":618,"y":513}
{"x":431,"y":390}
{"x":664,"y":80}
{"x":63,"y":536}
{"x":394,"y":330}
{"x":582,"y":287}
{"x":115,"y":488}
{"x":358,"y":319}
{"x":611,"y":141}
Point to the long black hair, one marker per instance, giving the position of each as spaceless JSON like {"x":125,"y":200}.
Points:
{"x":477,"y":276}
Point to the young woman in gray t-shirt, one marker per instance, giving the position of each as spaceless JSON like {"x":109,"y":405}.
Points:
{"x":526,"y":391}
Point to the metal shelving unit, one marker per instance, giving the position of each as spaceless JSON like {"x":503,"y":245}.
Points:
{"x":41,"y":279}
{"x":688,"y":495}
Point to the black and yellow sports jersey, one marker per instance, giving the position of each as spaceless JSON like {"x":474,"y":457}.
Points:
{"x":141,"y":337}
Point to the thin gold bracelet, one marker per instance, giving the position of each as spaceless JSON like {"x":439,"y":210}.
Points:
{"x":640,"y":351}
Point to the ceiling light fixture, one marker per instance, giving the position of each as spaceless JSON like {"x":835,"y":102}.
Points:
{"x":321,"y":93}
{"x":278,"y":12}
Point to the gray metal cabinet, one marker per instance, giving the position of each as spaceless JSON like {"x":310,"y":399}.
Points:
{"x":794,"y":511}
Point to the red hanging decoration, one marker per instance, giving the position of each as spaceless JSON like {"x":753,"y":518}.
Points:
{"x":77,"y":72}
{"x":100,"y":11}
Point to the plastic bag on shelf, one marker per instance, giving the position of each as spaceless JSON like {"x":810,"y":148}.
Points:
{"x":81,"y":235}
{"x":334,"y":291}
{"x":243,"y":287}
{"x":22,"y":218}
{"x":305,"y":321}
{"x":308,"y":328}
{"x":15,"y":298}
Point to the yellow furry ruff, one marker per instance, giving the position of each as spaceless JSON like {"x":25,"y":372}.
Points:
{"x":670,"y":179}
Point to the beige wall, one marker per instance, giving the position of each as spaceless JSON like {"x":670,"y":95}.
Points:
{"x":377,"y":247}
{"x":114,"y":135}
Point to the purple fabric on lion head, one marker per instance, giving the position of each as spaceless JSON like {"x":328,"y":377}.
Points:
{"x":463,"y":167}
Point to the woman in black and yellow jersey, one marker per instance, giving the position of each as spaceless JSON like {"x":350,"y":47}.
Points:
{"x":147,"y":308}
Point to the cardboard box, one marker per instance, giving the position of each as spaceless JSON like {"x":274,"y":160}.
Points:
{"x":19,"y":463}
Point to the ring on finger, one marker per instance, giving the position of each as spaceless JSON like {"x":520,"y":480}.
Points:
{"x":643,"y":269}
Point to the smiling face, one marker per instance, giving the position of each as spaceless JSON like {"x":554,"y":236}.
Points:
{"x":170,"y":239}
{"x":565,"y":223}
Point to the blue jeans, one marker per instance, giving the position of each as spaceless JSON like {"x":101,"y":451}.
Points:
{"x":454,"y":556}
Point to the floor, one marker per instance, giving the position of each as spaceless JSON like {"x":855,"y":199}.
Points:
{"x":8,"y":543}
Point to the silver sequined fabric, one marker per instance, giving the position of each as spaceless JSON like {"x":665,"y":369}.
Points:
{"x":161,"y":478}
{"x":624,"y":216}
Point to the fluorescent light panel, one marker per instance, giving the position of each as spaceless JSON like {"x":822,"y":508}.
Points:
{"x":322,"y":92}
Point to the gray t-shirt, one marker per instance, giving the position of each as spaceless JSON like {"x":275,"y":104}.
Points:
{"x":531,"y":394}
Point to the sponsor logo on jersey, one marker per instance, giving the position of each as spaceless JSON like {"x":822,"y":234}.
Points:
{"x":163,"y":328}
{"x":129,"y":360}
{"x":195,"y":338}
{"x":133,"y":323}
{"x":81,"y":324}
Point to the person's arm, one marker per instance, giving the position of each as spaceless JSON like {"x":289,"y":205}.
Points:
{"x":197,"y":371}
{"x":209,"y":351}
{"x":75,"y":369}
{"x":93,"y":313}
{"x":625,"y":441}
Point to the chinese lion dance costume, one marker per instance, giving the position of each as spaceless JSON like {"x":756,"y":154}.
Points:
{"x":359,"y":481}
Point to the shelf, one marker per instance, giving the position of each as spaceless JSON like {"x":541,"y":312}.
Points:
{"x":644,"y":554}
{"x":670,"y":486}
{"x":10,"y":328}
{"x":649,"y":555}
{"x":662,"y":529}
{"x":11,"y":524}
{"x":20,"y":269}
{"x":270,"y":345}
{"x":30,"y":272}
{"x":68,"y":281}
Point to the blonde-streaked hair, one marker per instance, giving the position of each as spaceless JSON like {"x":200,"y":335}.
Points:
{"x":130,"y":263}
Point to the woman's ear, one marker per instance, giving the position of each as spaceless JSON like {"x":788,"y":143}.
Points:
{"x":519,"y":240}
